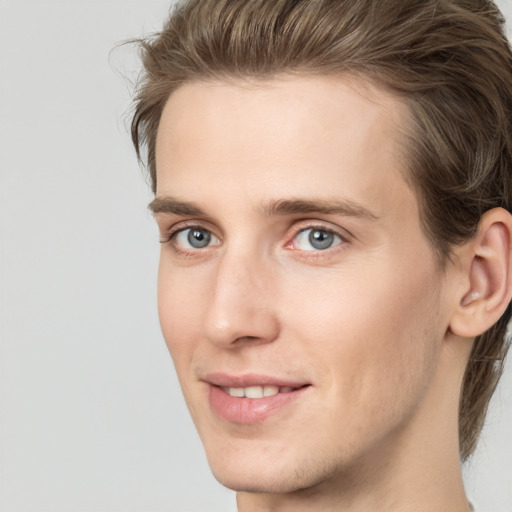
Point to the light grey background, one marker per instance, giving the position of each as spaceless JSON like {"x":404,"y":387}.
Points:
{"x":91,"y":415}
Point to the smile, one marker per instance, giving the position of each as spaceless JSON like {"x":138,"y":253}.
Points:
{"x":250,"y":400}
{"x":257,"y":391}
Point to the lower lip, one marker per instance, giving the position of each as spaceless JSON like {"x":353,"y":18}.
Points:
{"x":249,"y":411}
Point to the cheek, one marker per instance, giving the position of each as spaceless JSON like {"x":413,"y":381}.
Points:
{"x":178,"y":314}
{"x":177,"y":311}
{"x":372,"y":335}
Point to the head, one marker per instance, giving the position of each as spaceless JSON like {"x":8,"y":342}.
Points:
{"x":440,"y":69}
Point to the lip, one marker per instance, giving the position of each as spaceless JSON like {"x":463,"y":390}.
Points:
{"x":250,"y":411}
{"x":250,"y":379}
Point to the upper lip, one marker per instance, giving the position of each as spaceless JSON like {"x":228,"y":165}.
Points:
{"x":242,"y":381}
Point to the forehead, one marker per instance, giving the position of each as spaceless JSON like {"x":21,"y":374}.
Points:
{"x":312,"y":134}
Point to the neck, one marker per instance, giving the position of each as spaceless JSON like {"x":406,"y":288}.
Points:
{"x":415,"y":468}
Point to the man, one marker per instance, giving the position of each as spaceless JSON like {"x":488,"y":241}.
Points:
{"x":333,"y":187}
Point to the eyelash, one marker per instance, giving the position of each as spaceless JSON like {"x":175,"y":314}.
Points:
{"x":170,"y":239}
{"x":344,"y":238}
{"x":314,"y":252}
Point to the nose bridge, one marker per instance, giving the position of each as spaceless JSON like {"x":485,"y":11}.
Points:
{"x":241,"y":306}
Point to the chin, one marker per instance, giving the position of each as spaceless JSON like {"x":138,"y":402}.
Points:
{"x":273,"y":476}
{"x":258,"y":483}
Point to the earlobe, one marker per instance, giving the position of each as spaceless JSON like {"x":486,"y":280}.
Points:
{"x":489,"y":288}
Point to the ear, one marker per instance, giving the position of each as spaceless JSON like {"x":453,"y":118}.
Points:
{"x":487,"y":288}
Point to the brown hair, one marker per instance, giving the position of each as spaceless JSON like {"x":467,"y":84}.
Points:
{"x":447,"y":59}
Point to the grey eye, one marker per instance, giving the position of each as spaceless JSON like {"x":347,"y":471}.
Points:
{"x":314,"y":239}
{"x":198,"y":238}
{"x":195,"y":238}
{"x":320,"y":239}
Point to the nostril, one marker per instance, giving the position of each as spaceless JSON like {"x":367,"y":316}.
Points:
{"x":249,"y":339}
{"x":231,"y":323}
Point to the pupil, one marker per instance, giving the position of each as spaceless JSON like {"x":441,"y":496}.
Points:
{"x":320,"y":239}
{"x":198,"y":238}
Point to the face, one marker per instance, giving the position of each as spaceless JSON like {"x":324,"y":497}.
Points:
{"x":298,"y":295}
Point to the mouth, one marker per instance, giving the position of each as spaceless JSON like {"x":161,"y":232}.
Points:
{"x":250,"y":400}
{"x":257,"y":392}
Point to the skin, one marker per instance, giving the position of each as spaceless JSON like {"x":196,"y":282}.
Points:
{"x":365,"y":322}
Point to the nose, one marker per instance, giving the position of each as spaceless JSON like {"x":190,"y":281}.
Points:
{"x":241,"y":309}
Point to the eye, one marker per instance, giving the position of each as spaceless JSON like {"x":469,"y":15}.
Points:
{"x":315,"y":239}
{"x":194,"y":238}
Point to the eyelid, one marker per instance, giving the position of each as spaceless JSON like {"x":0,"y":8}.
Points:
{"x":321,"y":225}
{"x":318,"y":254}
{"x":172,"y":231}
{"x":301,"y":237}
{"x":297,"y":227}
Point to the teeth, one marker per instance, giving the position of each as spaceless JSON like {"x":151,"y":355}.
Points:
{"x":257,"y":391}
{"x":270,"y":390}
{"x":254,"y":392}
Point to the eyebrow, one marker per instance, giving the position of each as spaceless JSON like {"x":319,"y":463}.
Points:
{"x":307,"y":206}
{"x":172,"y":205}
{"x":169,"y":204}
